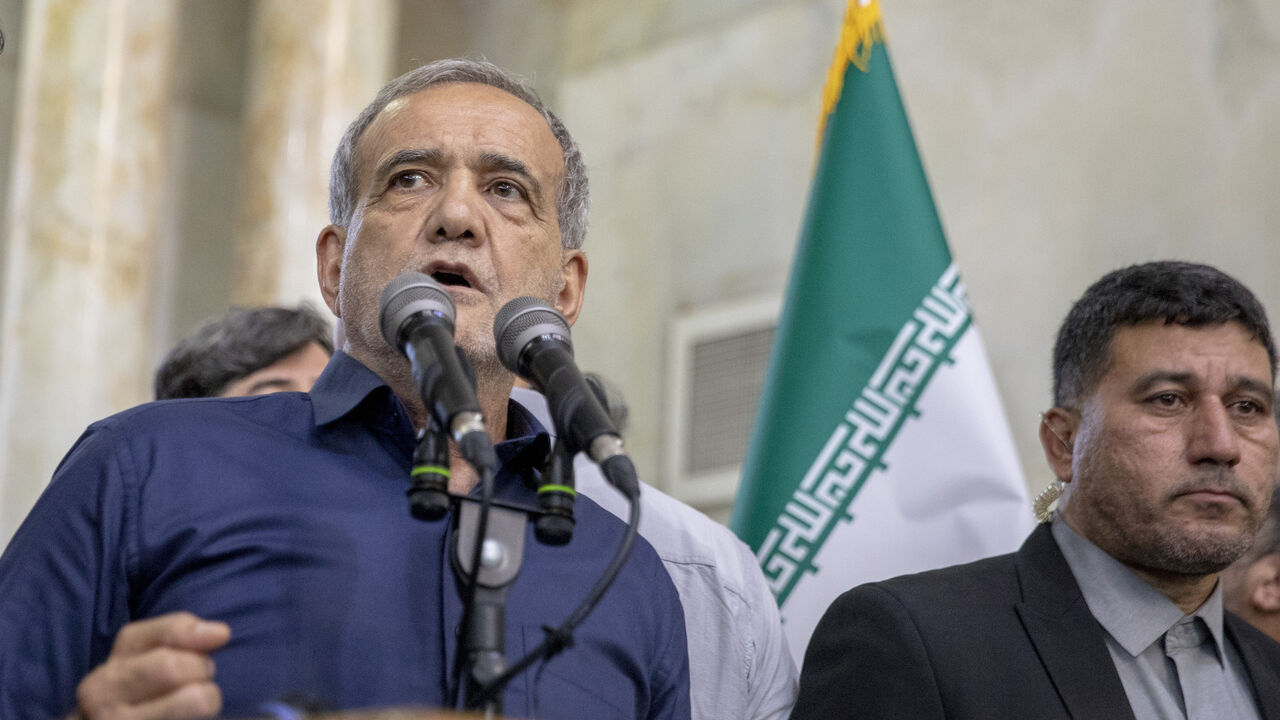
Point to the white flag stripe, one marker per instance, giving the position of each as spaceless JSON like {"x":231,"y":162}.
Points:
{"x":950,"y":491}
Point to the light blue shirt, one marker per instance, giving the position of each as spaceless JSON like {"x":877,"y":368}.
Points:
{"x":1136,"y":617}
{"x":739,"y":662}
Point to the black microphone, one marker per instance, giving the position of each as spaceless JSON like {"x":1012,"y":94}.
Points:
{"x":533,"y":342}
{"x":417,"y":319}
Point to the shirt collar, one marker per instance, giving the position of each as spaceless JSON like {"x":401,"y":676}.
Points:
{"x":1133,"y":612}
{"x":347,"y":383}
{"x":1211,"y":613}
{"x":342,"y":387}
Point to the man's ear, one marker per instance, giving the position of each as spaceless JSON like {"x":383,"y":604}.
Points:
{"x":573,"y":268}
{"x":1057,"y":436}
{"x":1264,"y":574}
{"x":329,"y":247}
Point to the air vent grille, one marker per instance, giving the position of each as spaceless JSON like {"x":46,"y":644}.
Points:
{"x":718,"y":357}
{"x":728,"y":374}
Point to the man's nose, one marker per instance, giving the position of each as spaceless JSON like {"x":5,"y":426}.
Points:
{"x":1214,"y":436}
{"x":458,"y":215}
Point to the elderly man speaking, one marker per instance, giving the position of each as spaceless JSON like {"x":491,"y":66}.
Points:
{"x":216,"y":555}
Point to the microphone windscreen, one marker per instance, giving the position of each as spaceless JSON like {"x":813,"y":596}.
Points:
{"x":409,"y":294}
{"x":521,"y":321}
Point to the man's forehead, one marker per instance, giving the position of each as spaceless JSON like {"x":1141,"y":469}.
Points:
{"x":479,"y":116}
{"x":1157,"y":343}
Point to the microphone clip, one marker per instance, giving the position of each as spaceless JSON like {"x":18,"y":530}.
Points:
{"x":556,"y":497}
{"x":428,"y":491}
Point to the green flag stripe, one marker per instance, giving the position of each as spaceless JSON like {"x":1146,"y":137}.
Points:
{"x":856,"y":447}
{"x":870,"y":249}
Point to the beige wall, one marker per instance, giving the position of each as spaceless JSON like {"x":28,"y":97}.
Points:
{"x":1062,"y":140}
{"x":10,"y":15}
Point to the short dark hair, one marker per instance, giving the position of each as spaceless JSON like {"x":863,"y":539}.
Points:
{"x":1176,"y":292}
{"x":243,"y":341}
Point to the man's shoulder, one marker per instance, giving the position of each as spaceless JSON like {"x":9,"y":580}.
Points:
{"x":684,"y":535}
{"x":167,"y":417}
{"x":989,"y":573}
{"x":606,"y":529}
{"x":946,"y":593}
{"x":681,"y":535}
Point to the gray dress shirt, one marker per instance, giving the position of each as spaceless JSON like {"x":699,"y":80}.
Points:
{"x":1136,"y":618}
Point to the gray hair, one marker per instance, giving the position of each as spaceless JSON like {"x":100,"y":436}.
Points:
{"x":571,"y":196}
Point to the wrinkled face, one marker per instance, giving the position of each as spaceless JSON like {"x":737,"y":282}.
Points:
{"x":295,"y":372}
{"x":459,"y":182}
{"x":1176,"y":449}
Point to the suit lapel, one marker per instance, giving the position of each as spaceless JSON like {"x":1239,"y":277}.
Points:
{"x":1068,"y":639}
{"x":1261,"y":668}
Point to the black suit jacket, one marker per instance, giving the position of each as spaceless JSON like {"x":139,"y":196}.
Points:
{"x":1006,"y":637}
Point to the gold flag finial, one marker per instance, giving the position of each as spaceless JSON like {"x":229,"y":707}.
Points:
{"x":861,"y":30}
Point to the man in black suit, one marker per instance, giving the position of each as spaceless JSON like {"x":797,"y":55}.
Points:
{"x":1164,"y":437}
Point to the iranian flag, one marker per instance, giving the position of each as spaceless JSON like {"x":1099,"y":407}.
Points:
{"x":881,"y":447}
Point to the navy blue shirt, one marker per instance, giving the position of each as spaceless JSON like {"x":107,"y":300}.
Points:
{"x":285,"y":516}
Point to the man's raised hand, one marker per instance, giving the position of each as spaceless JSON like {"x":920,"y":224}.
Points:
{"x":158,"y":668}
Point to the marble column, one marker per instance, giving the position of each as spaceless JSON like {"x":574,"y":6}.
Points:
{"x":85,"y":198}
{"x":313,"y":66}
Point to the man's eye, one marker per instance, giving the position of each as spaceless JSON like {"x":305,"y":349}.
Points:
{"x":408,"y":180}
{"x":508,"y":190}
{"x":1165,"y":400}
{"x":1250,"y":407}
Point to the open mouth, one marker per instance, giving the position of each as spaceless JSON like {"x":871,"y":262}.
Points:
{"x":449,"y":279}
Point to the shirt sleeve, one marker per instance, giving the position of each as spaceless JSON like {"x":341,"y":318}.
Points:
{"x":63,"y":580}
{"x":771,"y":676}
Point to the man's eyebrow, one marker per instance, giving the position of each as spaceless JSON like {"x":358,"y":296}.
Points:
{"x":505,"y":163}
{"x":1157,"y":377}
{"x":1252,"y":384}
{"x":408,"y":156}
{"x":1238,"y":382}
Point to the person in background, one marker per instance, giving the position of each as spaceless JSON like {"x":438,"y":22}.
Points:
{"x":1163,"y":431}
{"x":248,"y":351}
{"x":739,"y":662}
{"x":1251,"y":586}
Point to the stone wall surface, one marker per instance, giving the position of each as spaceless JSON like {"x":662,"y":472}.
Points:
{"x":1061,"y":141}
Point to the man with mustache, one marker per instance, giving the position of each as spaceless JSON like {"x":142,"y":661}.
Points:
{"x":1163,"y":433}
{"x":214,"y":555}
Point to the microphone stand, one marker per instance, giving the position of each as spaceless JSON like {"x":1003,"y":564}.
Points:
{"x":482,"y":646}
{"x":489,"y":549}
{"x":483,"y":642}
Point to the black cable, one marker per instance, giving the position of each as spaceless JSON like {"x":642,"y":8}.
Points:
{"x":559,"y":638}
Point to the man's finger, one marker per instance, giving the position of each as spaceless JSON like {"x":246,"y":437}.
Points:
{"x":201,"y":700}
{"x":134,"y":679}
{"x":177,"y":630}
